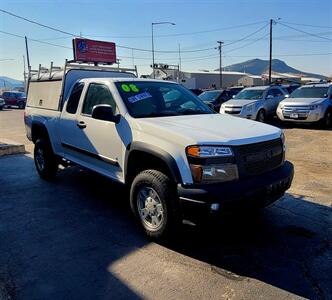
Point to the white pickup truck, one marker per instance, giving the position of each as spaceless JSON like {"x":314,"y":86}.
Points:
{"x":180,"y":160}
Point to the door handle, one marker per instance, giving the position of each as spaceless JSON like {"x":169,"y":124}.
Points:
{"x":81,"y":124}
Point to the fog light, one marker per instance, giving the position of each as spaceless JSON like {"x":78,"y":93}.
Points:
{"x":214,"y":206}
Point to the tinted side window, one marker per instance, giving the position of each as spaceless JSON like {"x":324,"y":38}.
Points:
{"x":75,"y":98}
{"x":97,"y":94}
{"x":270,"y":92}
{"x":277,"y":92}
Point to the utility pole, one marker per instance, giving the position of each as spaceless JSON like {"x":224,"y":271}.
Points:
{"x":28,"y":58}
{"x":270,"y":62}
{"x":179,"y":69}
{"x":24,"y":75}
{"x":220,"y":62}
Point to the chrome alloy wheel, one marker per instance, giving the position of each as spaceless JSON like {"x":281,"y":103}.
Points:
{"x":40,"y":161}
{"x":150,"y":208}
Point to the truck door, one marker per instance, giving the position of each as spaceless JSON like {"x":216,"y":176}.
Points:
{"x":92,"y":143}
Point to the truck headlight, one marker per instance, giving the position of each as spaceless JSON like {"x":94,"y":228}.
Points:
{"x":208,"y":172}
{"x":209,"y":151}
{"x":214,"y":173}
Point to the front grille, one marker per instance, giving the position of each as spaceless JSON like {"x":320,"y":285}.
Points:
{"x":301,"y":110}
{"x":255,"y":159}
{"x":231,"y":112}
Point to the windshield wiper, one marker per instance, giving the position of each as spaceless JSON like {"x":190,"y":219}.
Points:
{"x":159,"y":114}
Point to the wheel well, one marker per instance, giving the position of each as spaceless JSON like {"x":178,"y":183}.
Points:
{"x":38,"y":131}
{"x":139,"y":161}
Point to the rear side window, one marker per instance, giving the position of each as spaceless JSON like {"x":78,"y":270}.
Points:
{"x":74,"y":98}
{"x":97,"y":94}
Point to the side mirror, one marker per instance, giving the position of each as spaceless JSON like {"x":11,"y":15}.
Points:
{"x":233,"y":96}
{"x":104,"y":112}
{"x":269,"y":97}
{"x":287,"y":96}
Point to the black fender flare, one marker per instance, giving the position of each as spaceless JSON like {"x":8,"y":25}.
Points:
{"x":158,"y":153}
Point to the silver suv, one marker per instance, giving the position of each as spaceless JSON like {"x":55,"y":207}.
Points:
{"x":256,"y":103}
{"x":308,"y":104}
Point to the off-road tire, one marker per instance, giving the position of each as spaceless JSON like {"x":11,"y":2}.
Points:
{"x":166,"y":190}
{"x":49,"y":169}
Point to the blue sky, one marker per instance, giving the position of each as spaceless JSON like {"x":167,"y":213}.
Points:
{"x":128,"y":23}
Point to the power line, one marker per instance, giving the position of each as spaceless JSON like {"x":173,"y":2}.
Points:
{"x":308,"y":33}
{"x":308,"y":25}
{"x":36,"y":23}
{"x":34,"y":40}
{"x":248,"y":44}
{"x":247,"y":36}
{"x":184,"y":33}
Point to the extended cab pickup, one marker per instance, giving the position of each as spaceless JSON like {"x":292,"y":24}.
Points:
{"x":179,"y":159}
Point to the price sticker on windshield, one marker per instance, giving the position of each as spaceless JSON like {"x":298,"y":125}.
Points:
{"x":139,"y":97}
{"x":129,"y":88}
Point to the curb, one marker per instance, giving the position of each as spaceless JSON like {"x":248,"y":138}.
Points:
{"x":8,"y":147}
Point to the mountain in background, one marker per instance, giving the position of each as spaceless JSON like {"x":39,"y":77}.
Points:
{"x":10,"y":82}
{"x":259,"y":66}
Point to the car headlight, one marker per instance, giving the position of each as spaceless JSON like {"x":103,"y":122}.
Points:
{"x":281,"y":106}
{"x":209,"y":151}
{"x":203,"y":169}
{"x":250,"y":107}
{"x":313,"y":107}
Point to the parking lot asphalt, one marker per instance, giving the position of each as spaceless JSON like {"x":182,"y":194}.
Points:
{"x":75,"y":238}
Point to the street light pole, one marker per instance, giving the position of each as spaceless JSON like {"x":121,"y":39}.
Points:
{"x":152,"y":42}
{"x":220,"y":62}
{"x":270,"y":61}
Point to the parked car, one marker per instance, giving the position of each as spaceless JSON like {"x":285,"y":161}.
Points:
{"x":255,"y":103}
{"x":235,"y":90}
{"x":180,"y":159}
{"x":214,"y":98}
{"x":196,"y":91}
{"x":14,"y":98}
{"x":2,"y":103}
{"x":290,"y":88}
{"x":308,"y":104}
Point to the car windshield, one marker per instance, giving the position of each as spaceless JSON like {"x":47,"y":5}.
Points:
{"x":309,"y":92}
{"x":146,"y":99}
{"x":209,"y":96}
{"x":250,"y":94}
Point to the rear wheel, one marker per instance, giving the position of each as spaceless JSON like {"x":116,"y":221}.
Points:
{"x":153,"y":200}
{"x":261,"y":116}
{"x":45,"y":161}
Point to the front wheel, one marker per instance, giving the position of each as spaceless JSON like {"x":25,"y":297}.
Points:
{"x":21,"y":105}
{"x":326,"y":122}
{"x":45,"y":161}
{"x":154,"y":202}
{"x":261,"y":116}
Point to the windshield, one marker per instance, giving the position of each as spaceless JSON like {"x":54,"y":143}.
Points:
{"x":209,"y":96}
{"x":158,"y":99}
{"x":250,"y":94}
{"x":309,"y":92}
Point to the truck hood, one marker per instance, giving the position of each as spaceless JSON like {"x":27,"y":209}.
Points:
{"x":214,"y":129}
{"x":302,"y":101}
{"x":242,"y":102}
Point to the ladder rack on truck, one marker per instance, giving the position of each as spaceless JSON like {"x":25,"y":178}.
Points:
{"x":71,"y":64}
{"x":60,"y":80}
